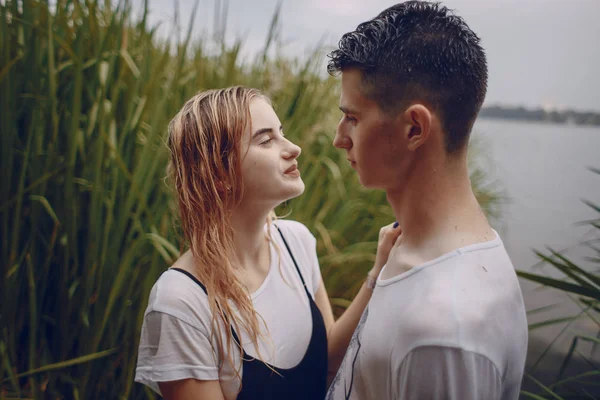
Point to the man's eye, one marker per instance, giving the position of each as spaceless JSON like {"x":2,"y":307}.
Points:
{"x":266,"y":141}
{"x":350,"y":119}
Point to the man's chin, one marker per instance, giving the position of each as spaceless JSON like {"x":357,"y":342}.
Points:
{"x":369,"y":184}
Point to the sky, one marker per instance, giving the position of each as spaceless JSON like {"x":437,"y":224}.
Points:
{"x":540,"y":52}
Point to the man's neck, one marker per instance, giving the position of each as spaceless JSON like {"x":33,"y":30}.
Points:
{"x":437,"y":209}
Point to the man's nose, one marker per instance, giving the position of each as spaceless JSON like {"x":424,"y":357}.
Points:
{"x":341,"y":141}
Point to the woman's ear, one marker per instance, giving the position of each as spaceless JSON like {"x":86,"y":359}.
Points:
{"x":222,"y":187}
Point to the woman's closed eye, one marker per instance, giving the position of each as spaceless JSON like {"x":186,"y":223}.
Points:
{"x":270,"y":139}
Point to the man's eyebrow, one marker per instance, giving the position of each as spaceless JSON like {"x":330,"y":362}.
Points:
{"x":347,"y":110}
{"x":265,"y":130}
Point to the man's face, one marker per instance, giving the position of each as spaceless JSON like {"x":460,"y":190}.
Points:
{"x":373,"y":140}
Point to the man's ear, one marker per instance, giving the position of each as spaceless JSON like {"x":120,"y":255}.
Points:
{"x":418,"y":126}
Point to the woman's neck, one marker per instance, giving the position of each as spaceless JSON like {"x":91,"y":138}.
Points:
{"x":250,"y":239}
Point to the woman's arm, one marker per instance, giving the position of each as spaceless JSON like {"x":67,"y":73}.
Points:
{"x":191,"y":389}
{"x":340,"y":332}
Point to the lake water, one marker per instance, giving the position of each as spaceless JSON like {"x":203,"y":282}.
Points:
{"x":542,"y":168}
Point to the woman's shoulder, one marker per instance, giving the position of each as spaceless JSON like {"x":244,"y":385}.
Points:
{"x":177,"y":294}
{"x":295,"y":228}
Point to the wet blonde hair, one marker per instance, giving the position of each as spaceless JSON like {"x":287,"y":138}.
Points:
{"x":204,"y":139}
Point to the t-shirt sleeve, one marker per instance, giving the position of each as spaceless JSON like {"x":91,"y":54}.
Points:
{"x":438,"y":372}
{"x":171,"y":349}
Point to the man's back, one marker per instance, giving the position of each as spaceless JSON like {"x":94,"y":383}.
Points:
{"x":453,"y":328}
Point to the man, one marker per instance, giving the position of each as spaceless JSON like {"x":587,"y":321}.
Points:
{"x":446,"y":319}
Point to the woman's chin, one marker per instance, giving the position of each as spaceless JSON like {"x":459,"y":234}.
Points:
{"x":296,"y":191}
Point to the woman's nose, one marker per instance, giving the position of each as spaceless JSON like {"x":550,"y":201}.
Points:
{"x":293,"y":150}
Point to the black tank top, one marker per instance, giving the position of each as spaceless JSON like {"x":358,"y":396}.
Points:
{"x":306,"y":381}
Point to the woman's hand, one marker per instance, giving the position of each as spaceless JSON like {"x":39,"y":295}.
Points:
{"x":387,"y":238}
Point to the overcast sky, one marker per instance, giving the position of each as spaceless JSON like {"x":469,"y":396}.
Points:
{"x":540,"y":52}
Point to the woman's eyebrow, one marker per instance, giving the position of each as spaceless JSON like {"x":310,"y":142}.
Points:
{"x":265,"y":130}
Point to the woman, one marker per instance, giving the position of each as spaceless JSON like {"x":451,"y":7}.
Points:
{"x":243,"y":314}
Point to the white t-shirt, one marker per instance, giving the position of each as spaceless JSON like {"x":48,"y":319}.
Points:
{"x":176,"y":341}
{"x":452,"y":328}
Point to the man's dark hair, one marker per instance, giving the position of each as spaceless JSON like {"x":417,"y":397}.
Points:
{"x":419,"y":50}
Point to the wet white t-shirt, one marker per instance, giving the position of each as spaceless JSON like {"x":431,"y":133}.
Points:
{"x":453,"y":328}
{"x":176,"y":340}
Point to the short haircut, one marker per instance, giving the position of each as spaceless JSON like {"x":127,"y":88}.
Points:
{"x":419,"y":51}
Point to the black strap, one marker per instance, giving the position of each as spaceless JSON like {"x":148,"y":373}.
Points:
{"x":192,"y":277}
{"x":294,"y":260}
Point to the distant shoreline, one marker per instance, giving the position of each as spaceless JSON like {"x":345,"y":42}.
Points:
{"x":565,"y":117}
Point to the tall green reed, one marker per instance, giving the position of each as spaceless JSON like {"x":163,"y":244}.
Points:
{"x":87,"y":223}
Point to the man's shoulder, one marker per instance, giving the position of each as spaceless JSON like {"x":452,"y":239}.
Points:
{"x":450,"y":303}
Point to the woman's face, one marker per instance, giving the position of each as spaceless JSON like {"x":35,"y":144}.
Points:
{"x":269,"y":166}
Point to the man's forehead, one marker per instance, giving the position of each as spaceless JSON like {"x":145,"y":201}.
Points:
{"x":351,"y":80}
{"x":352,"y":97}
